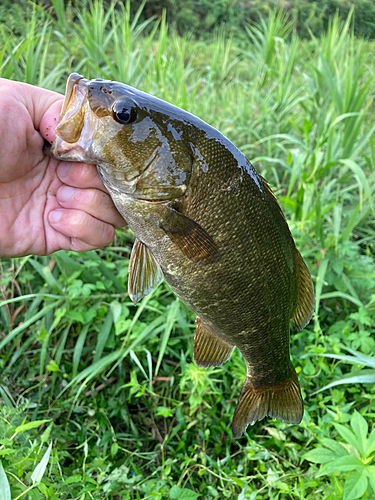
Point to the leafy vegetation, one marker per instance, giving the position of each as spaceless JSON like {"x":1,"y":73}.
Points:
{"x":310,"y":17}
{"x":100,"y":398}
{"x":205,"y":17}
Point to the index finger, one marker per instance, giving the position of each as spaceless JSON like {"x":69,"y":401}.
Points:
{"x":80,"y":175}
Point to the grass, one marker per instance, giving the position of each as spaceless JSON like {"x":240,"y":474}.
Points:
{"x":112,"y":386}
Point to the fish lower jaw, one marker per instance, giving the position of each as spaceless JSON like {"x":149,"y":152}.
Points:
{"x":62,"y":150}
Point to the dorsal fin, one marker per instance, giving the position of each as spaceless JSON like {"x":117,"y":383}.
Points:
{"x":209,"y":349}
{"x":305,"y":300}
{"x":145,"y":273}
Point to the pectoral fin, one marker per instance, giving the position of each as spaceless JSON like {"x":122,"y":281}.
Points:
{"x":209,"y":350}
{"x":190,"y":237}
{"x":282,"y":401}
{"x":305,"y":301}
{"x":145,"y":273}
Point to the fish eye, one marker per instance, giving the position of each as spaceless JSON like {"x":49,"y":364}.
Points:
{"x":123,"y":112}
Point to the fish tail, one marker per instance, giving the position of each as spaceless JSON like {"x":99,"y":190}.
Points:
{"x":282,"y":401}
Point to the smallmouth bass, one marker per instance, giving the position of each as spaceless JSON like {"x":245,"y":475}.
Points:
{"x":207,"y":223}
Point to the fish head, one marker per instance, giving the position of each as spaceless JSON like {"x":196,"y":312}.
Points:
{"x":137,"y":141}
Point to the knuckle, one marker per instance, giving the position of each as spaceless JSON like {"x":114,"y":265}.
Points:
{"x":87,"y":197}
{"x":86,"y":172}
{"x":77,"y":218}
{"x":108,"y":233}
{"x":78,"y":245}
{"x":99,"y":200}
{"x":98,"y":197}
{"x":75,"y":244}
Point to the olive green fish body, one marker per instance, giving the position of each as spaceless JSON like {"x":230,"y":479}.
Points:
{"x":207,"y":223}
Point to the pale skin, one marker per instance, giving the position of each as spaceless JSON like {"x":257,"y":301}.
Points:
{"x":45,"y":204}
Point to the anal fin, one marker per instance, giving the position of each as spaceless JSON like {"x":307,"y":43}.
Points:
{"x":209,"y":349}
{"x":282,"y":401}
{"x":305,"y":300}
{"x":145,"y":274}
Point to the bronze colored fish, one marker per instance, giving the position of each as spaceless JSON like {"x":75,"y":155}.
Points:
{"x":207,"y":223}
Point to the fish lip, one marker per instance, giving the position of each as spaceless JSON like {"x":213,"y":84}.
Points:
{"x":73,"y":80}
{"x":51,"y":149}
{"x":67,"y":146}
{"x":70,"y":124}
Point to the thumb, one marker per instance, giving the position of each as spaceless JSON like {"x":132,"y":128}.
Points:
{"x":42,"y":105}
{"x":50,"y":119}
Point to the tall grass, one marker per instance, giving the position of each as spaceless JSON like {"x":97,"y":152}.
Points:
{"x":133,"y":415}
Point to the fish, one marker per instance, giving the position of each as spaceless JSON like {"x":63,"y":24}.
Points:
{"x":207,"y":223}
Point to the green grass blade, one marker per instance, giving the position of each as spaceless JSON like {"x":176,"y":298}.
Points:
{"x":135,"y":358}
{"x":46,"y":274}
{"x":77,"y":354}
{"x":342,"y":295}
{"x":361,"y":177}
{"x":21,"y":328}
{"x":170,"y":321}
{"x":103,"y":336}
{"x":320,"y":282}
{"x":4,"y":485}
{"x":39,"y":470}
{"x":359,"y":377}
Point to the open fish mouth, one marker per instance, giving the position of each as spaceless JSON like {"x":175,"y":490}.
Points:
{"x":77,"y":123}
{"x":72,"y":112}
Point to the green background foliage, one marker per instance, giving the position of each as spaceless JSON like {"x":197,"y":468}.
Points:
{"x":311,"y":17}
{"x":203,"y":16}
{"x":112,"y":386}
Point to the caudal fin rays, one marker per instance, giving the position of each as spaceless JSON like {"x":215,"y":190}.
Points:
{"x":282,"y":401}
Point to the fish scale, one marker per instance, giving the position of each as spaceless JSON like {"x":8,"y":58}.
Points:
{"x":207,"y":223}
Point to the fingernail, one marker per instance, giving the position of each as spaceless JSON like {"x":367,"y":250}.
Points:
{"x":66,"y":193}
{"x":63,"y":169}
{"x":55,"y":216}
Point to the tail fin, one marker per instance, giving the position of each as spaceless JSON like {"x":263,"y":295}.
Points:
{"x":282,"y":401}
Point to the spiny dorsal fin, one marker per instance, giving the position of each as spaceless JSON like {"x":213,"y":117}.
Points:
{"x":209,"y":350}
{"x":267,"y":187}
{"x":305,"y":300}
{"x":282,"y":401}
{"x":190,"y":237}
{"x":145,"y":273}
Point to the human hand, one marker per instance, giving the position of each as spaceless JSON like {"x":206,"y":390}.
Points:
{"x":45,"y":204}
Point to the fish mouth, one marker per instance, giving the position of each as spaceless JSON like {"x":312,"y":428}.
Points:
{"x":72,"y":81}
{"x":72,"y":113}
{"x":77,"y":123}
